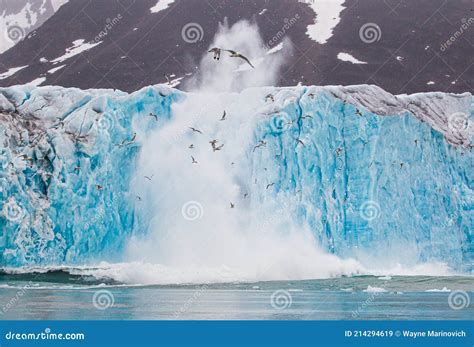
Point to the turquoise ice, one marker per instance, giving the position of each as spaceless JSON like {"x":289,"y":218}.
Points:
{"x":372,"y":175}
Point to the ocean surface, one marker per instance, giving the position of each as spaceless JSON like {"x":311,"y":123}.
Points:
{"x":59,"y":295}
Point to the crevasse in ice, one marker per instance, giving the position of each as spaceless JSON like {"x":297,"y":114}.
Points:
{"x":371,"y":174}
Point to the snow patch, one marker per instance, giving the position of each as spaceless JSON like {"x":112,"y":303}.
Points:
{"x":275,"y":49}
{"x":53,"y":70}
{"x":327,"y":17}
{"x":349,"y":58}
{"x":161,"y":5}
{"x":37,"y":82}
{"x":78,"y":46}
{"x":58,"y":3}
{"x":11,"y":72}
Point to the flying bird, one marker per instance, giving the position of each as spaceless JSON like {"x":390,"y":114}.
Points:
{"x":193,"y":160}
{"x":58,"y":125}
{"x":154,"y":116}
{"x":235,"y":54}
{"x":260,"y":144}
{"x":300,"y":142}
{"x":223,"y":116}
{"x":195,"y":130}
{"x":126,"y":143}
{"x":149,"y":177}
{"x":216,"y":51}
{"x":269,"y":96}
{"x":269,"y":185}
{"x":218,"y":148}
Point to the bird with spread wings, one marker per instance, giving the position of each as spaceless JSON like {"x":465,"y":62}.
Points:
{"x":233,"y":54}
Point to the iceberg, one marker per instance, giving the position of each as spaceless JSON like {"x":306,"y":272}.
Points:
{"x":88,"y":175}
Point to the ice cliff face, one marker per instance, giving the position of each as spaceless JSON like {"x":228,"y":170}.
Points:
{"x":372,"y":175}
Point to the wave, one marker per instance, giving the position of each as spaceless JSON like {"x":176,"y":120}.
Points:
{"x":146,"y":274}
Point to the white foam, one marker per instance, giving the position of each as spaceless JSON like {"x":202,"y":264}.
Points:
{"x":443,"y":290}
{"x":371,"y":289}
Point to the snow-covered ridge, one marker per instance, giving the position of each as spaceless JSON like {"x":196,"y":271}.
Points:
{"x":450,"y":114}
{"x":72,"y":186}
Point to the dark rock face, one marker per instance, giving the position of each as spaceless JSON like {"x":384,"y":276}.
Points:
{"x":416,"y":46}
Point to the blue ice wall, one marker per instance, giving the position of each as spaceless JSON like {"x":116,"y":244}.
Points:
{"x":378,"y":188}
{"x":371,"y":187}
{"x":72,"y":203}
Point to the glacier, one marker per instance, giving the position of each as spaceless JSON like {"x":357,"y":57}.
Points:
{"x":88,"y":175}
